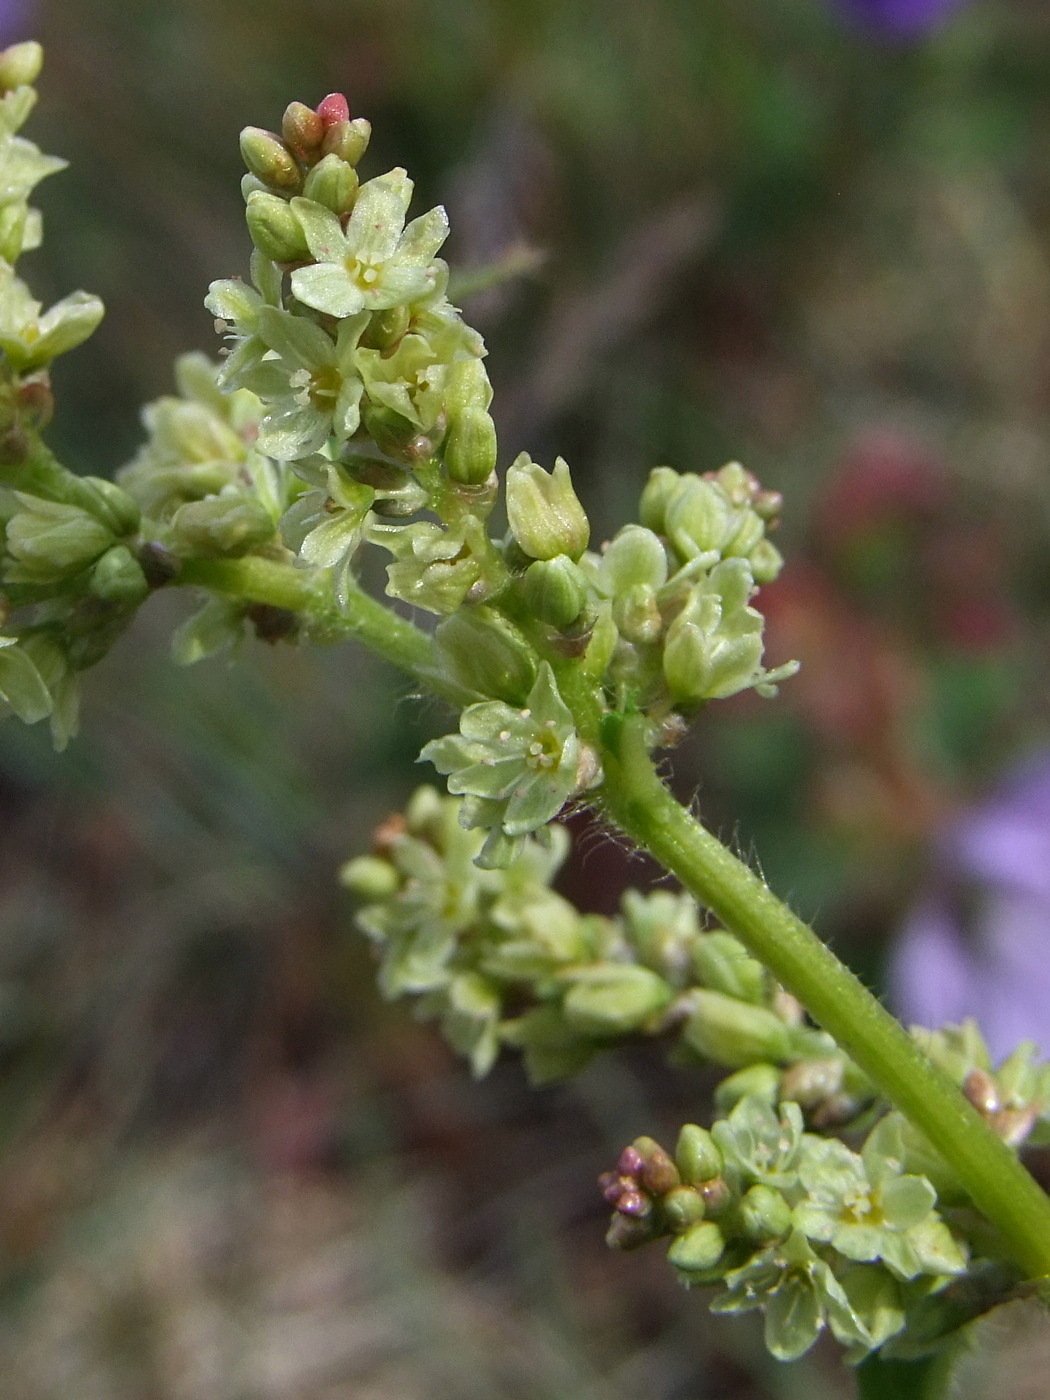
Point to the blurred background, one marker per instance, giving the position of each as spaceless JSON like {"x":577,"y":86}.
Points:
{"x":813,"y":235}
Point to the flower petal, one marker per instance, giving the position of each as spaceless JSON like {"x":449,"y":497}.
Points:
{"x":328,"y":288}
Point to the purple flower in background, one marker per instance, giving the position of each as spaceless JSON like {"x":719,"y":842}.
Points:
{"x":900,"y":17}
{"x":978,"y":942}
{"x":15,"y":18}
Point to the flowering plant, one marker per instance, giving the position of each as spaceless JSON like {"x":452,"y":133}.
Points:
{"x":856,"y":1178}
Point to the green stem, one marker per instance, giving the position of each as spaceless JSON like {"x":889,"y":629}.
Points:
{"x":369,"y":622}
{"x":639,"y":803}
{"x":928,"y":1379}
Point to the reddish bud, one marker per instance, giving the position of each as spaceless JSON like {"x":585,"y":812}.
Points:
{"x":631,"y":1162}
{"x":333,"y":109}
{"x":634,"y":1203}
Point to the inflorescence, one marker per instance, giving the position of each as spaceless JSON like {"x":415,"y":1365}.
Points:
{"x":349,"y":409}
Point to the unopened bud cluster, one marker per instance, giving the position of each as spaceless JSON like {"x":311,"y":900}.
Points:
{"x":799,"y":1226}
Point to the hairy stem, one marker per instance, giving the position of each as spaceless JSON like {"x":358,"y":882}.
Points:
{"x":369,"y":622}
{"x":640,"y":804}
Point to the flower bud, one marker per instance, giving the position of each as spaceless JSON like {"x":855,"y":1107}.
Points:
{"x":221,"y":526}
{"x":766,"y":562}
{"x":764,"y":1215}
{"x":658,"y":1174}
{"x":545,"y":516}
{"x":636,"y":556}
{"x":269,"y":159}
{"x":652,"y":508}
{"x":333,"y":183}
{"x":746,"y":536}
{"x":683,"y":1207}
{"x":697,"y":1154}
{"x":12,"y":231}
{"x":698,"y":517}
{"x":637,"y":615}
{"x":724,"y":964}
{"x":733,"y":1033}
{"x":390,"y":431}
{"x":347,"y":140}
{"x":554,"y":590}
{"x":47,"y":541}
{"x":370,"y":878}
{"x":112,"y":505}
{"x":251,"y":185}
{"x":698,"y":1250}
{"x":479,"y":651}
{"x":35,"y":399}
{"x":275,"y":229}
{"x":740,"y":485}
{"x":627,"y":1232}
{"x":467,"y":386}
{"x":614,"y":998}
{"x":387,"y":328}
{"x":20,"y":65}
{"x":303,"y":131}
{"x":763,"y":1081}
{"x":810,"y":1083}
{"x":717,"y":1194}
{"x":333,"y":109}
{"x":469,"y":452}
{"x":118,"y":578}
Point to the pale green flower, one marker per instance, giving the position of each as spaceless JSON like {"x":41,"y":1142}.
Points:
{"x":377,"y":262}
{"x":434,"y":566}
{"x":236,"y":307}
{"x":761,"y":1146}
{"x":873,"y":1214}
{"x":197,"y":443}
{"x":799,"y":1295}
{"x":415,"y":378}
{"x":410,"y":381}
{"x":52,"y":661}
{"x":31,"y":337}
{"x":714,"y":645}
{"x":326,"y":525}
{"x":22,"y":689}
{"x":22,"y":166}
{"x":218,"y":626}
{"x":518,"y":767}
{"x":307,"y":383}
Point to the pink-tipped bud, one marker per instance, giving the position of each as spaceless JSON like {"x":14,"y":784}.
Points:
{"x":613,"y":1186}
{"x":634,"y":1203}
{"x":333,"y":109}
{"x":631,"y":1162}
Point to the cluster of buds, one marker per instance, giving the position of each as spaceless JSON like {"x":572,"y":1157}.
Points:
{"x":370,"y":385}
{"x":1013,"y":1097}
{"x":661,"y":618}
{"x":68,"y":579}
{"x":30,"y":338}
{"x":798,"y":1226}
{"x":560,"y":985}
{"x":316,"y":157}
